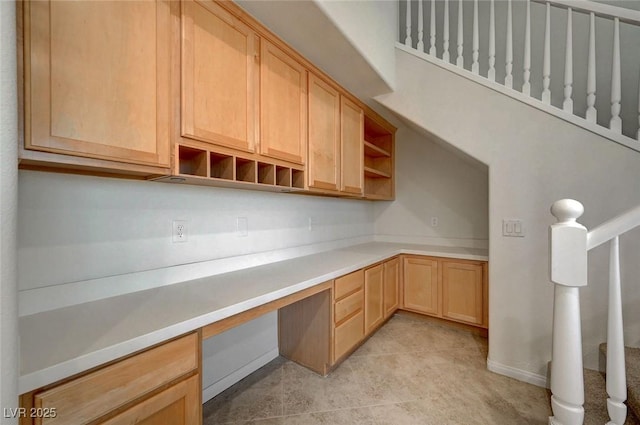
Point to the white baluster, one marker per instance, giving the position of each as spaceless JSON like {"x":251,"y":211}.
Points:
{"x":616,"y":122}
{"x":592,"y":113}
{"x":508,"y":79}
{"x":475,"y":66}
{"x":420,"y":45}
{"x":567,"y":105}
{"x":491,"y":74}
{"x":546,"y":66}
{"x":616,"y":381}
{"x":526,"y":85}
{"x":407,"y":41}
{"x":568,"y":273}
{"x":460,"y":58}
{"x":445,"y":33}
{"x":432,"y":29}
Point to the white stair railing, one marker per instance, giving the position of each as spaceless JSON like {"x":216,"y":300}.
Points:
{"x":583,"y":113}
{"x":570,"y":243}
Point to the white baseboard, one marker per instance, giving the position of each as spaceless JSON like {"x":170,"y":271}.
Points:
{"x":519,"y":374}
{"x":213,"y":390}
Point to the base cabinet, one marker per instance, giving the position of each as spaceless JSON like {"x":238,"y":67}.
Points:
{"x":348,"y":312}
{"x":177,"y":405}
{"x":374,"y":298}
{"x":421,"y":285}
{"x":158,"y":386}
{"x":391,"y":286}
{"x":447,"y":288}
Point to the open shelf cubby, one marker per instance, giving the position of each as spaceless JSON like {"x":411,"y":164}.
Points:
{"x":378,"y":159}
{"x":204,"y":166}
{"x":297,"y":178}
{"x":266,"y":173}
{"x":245,"y":170}
{"x":221,"y":166}
{"x":192,"y":161}
{"x":283,"y":176}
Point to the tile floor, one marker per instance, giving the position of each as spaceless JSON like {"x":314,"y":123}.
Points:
{"x":411,"y":371}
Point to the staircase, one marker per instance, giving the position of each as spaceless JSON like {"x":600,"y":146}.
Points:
{"x":551,"y":139}
{"x":632,"y":356}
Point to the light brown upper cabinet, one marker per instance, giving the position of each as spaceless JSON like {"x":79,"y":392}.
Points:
{"x":283,"y":105}
{"x":352,"y":146}
{"x":219,"y":77}
{"x":97,"y":83}
{"x":323,"y":166}
{"x":421,"y":285}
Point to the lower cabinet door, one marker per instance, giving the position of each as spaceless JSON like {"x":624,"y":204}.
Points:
{"x":348,"y":335}
{"x":391,"y":286}
{"x":373,"y":298}
{"x":462,"y":292}
{"x":177,"y":405}
{"x":421,"y":285}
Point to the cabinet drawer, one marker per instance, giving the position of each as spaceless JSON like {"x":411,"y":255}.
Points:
{"x":348,"y":335}
{"x":348,"y":284}
{"x":91,"y":396}
{"x":349,"y":305}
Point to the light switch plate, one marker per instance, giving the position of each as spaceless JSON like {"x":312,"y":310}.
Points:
{"x":513,"y":227}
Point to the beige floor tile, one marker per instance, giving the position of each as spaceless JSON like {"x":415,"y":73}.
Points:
{"x":410,"y":372}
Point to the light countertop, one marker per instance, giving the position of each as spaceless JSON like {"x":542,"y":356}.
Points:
{"x":60,"y":343}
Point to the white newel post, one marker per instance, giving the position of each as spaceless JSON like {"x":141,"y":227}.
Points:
{"x":568,"y":240}
{"x":616,"y":378}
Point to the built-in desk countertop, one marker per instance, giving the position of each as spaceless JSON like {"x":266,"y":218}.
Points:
{"x":63,"y":342}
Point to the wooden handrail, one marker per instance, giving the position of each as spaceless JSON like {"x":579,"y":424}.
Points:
{"x":614,"y":227}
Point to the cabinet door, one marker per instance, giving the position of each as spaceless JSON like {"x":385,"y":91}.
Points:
{"x":219,"y":76}
{"x":97,"y":79}
{"x":283,"y":105}
{"x":352,"y":137}
{"x":462,"y":291}
{"x":373,"y":297}
{"x":347,"y":336}
{"x":324,"y":135}
{"x":421,"y":288}
{"x":391,"y":281}
{"x":177,"y":405}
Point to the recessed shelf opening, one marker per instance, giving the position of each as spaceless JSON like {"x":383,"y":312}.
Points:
{"x":192,"y":161}
{"x":266,"y":173}
{"x":283,"y":176}
{"x":245,"y":170}
{"x":221,"y":166}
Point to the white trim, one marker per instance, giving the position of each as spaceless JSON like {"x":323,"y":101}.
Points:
{"x":531,"y":101}
{"x":213,"y":390}
{"x":32,"y":301}
{"x":519,"y":374}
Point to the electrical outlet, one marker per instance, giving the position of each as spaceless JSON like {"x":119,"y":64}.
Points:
{"x":180,"y":231}
{"x":434,"y":222}
{"x":242,"y":226}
